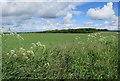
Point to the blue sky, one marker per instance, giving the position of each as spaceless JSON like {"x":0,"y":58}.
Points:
{"x":49,"y":16}
{"x":84,"y":8}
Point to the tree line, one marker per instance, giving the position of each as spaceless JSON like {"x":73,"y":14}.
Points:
{"x":79,"y":30}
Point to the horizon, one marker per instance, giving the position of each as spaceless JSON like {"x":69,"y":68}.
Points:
{"x":56,"y":29}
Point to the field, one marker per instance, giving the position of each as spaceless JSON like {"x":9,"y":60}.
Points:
{"x":60,"y":56}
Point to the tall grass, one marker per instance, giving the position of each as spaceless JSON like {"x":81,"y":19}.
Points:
{"x":95,"y":59}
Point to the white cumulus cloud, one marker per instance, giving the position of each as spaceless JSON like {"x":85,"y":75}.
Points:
{"x":105,"y":12}
{"x":20,"y":11}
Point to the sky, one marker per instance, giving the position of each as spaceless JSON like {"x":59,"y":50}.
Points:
{"x":41,"y":16}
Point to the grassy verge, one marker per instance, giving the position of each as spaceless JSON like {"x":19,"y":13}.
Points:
{"x":95,"y":59}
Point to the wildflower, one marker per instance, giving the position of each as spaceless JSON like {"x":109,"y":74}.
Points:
{"x":89,"y":35}
{"x":44,"y":48}
{"x":15,"y":55}
{"x":7,"y":53}
{"x":38,"y":43}
{"x":47,"y":64}
{"x":34,"y":44}
{"x":92,"y":36}
{"x":95,"y":40}
{"x":22,"y":49}
{"x":12,"y":51}
{"x":24,"y":54}
{"x":76,"y":38}
{"x":31,"y":47}
{"x":25,"y":57}
{"x":51,"y":53}
{"x":22,"y":38}
{"x":19,"y":37}
{"x":83,"y":47}
{"x":28,"y":51}
{"x":32,"y":53}
{"x":11,"y":33}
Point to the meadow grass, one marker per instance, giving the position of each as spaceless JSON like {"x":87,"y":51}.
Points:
{"x":61,"y":56}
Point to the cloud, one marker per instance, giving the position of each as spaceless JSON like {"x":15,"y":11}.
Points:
{"x":105,"y":12}
{"x":88,"y":23}
{"x":41,"y":9}
{"x":106,"y":23}
{"x":37,"y":16}
{"x":114,"y":21}
{"x":114,"y":18}
{"x":29,"y":27}
{"x":68,"y":18}
{"x":45,"y":10}
{"x":58,"y":0}
{"x":16,"y":12}
{"x":47,"y":0}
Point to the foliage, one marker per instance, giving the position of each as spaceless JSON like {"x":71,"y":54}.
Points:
{"x":79,"y":30}
{"x":82,"y":30}
{"x":95,"y":58}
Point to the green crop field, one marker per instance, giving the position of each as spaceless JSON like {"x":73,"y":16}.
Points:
{"x":60,"y":56}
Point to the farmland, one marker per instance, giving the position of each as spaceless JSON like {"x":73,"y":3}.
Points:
{"x":60,"y":56}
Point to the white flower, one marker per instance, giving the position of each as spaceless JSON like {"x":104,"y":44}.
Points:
{"x":34,"y":44}
{"x":31,"y":47}
{"x":76,"y":38}
{"x":11,"y":33}
{"x":22,"y":49}
{"x":28,"y":51}
{"x":19,"y":37}
{"x":25,"y":57}
{"x":12,"y":51}
{"x":89,"y":35}
{"x":15,"y":55}
{"x":38,"y":43}
{"x":32,"y":53}
{"x":83,"y":47}
{"x":24,"y":54}
{"x":47,"y":64}
{"x":7,"y":53}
